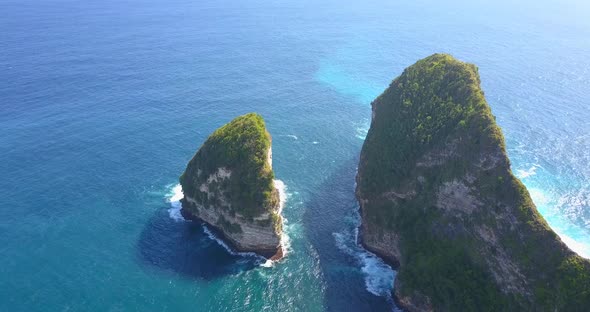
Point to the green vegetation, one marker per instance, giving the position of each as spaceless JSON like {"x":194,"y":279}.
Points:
{"x":435,"y":113}
{"x":432,"y":99}
{"x":240,"y":146}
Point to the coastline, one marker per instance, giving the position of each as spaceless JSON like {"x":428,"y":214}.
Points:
{"x":269,"y":254}
{"x":402,"y":303}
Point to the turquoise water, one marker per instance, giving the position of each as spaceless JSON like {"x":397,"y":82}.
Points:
{"x":103,"y":103}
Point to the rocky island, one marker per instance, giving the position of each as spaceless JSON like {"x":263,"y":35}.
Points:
{"x":439,"y":201}
{"x":229,"y":185}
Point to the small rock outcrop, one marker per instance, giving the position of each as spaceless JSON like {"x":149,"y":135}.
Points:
{"x":439,"y":201}
{"x":229,"y":185}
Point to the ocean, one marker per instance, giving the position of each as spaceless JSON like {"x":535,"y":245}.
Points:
{"x":102,"y":104}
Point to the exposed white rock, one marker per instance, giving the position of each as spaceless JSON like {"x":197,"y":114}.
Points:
{"x":252,"y":235}
{"x":456,"y":196}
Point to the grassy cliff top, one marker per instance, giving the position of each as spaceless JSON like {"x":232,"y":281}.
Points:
{"x":243,"y":140}
{"x":431,"y":103}
{"x":241,"y":146}
{"x":482,"y":246}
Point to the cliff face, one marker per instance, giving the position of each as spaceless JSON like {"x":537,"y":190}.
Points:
{"x":438,"y":200}
{"x":229,"y":185}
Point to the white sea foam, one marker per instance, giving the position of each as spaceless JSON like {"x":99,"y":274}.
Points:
{"x":285,"y":239}
{"x":574,"y":204}
{"x":556,"y":215}
{"x":379,"y":276}
{"x":227,"y":248}
{"x":581,"y":248}
{"x":292,"y":136}
{"x":560,"y":192}
{"x":267,"y":263}
{"x":525,"y":173}
{"x":343,"y":243}
{"x":315,"y":142}
{"x":538,"y":196}
{"x":282,"y":188}
{"x":175,"y":195}
{"x":362,"y":129}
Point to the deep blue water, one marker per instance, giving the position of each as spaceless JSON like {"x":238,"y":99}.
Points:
{"x":102,"y":103}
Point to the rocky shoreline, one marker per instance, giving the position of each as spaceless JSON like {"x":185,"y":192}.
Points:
{"x":270,"y":254}
{"x":439,"y":202}
{"x":229,"y":185}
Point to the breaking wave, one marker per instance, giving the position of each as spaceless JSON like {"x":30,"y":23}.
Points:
{"x":553,"y":168}
{"x":378,"y":275}
{"x":525,"y":173}
{"x":227,"y":248}
{"x":175,"y":195}
{"x":362,"y":128}
{"x":581,"y":248}
{"x":574,"y":236}
{"x":285,"y":239}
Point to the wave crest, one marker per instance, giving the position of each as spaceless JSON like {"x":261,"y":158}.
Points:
{"x":175,"y":195}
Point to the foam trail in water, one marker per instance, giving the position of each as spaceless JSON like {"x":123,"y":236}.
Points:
{"x":227,"y":248}
{"x":285,"y":240}
{"x":292,"y":136}
{"x":175,"y":195}
{"x":573,"y":236}
{"x":379,"y":276}
{"x":282,"y":188}
{"x":580,"y":248}
{"x":362,"y":129}
{"x":525,"y":173}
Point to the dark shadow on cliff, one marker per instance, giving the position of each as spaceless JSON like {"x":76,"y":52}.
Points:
{"x":184,"y":248}
{"x":327,"y":220}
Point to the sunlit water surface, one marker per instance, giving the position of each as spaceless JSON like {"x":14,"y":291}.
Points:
{"x":103,"y":103}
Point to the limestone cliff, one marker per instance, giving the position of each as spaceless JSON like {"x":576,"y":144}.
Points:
{"x":228,"y":184}
{"x":438,"y":200}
